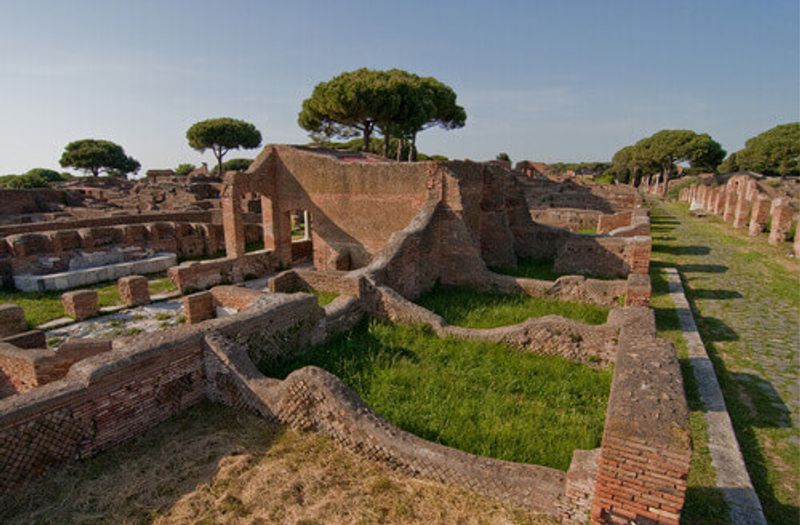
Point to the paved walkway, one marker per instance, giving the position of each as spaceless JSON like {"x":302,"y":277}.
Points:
{"x":745,"y":295}
{"x":732,"y":477}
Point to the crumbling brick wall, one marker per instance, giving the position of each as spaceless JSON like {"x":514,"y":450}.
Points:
{"x":104,"y":400}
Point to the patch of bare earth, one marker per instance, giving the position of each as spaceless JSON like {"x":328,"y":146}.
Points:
{"x":212,"y":465}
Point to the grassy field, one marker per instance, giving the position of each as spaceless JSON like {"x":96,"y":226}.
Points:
{"x":41,"y":307}
{"x":480,"y":397}
{"x":212,"y":465}
{"x":324,"y":298}
{"x":472,"y":309}
{"x":745,"y":296}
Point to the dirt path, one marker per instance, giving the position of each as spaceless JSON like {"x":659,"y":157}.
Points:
{"x":746,"y":298}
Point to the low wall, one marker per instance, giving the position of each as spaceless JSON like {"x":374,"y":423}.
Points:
{"x":340,"y":282}
{"x":199,"y":275}
{"x":88,"y":276}
{"x":568,"y":218}
{"x":595,"y":255}
{"x":23,"y":369}
{"x":103,"y":400}
{"x":312,"y":399}
{"x":552,"y":334}
{"x":113,"y":220}
{"x":58,"y":251}
{"x":646,"y":449}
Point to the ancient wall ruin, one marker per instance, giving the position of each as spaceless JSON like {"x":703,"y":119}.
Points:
{"x":745,"y":202}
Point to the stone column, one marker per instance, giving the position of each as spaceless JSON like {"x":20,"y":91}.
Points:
{"x":781,"y":221}
{"x":306,"y":225}
{"x":730,"y":204}
{"x":232,"y":222}
{"x":760,"y":215}
{"x":796,"y":244}
{"x":741,"y":213}
{"x":719,"y":200}
{"x":266,"y":223}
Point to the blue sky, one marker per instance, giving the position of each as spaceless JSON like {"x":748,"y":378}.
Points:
{"x":557,"y":80}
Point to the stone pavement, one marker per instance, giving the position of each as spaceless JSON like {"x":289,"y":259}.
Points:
{"x":732,"y":477}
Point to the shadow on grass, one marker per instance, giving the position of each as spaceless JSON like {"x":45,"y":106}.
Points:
{"x":680,"y":250}
{"x":690,"y":268}
{"x":717,"y":294}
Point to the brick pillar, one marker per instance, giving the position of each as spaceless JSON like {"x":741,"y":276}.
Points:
{"x":12,"y":319}
{"x":730,"y":204}
{"x":781,"y":222}
{"x":134,"y":290}
{"x":639,"y":290}
{"x":719,"y":200}
{"x":796,"y":244}
{"x":232,"y":222}
{"x":639,"y":254}
{"x":760,"y":215}
{"x":742,"y":211}
{"x":198,"y":307}
{"x":80,"y":304}
{"x":277,"y":232}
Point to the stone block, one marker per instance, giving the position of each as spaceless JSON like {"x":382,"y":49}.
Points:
{"x":30,"y":339}
{"x":639,"y":290}
{"x":133,"y":290}
{"x":781,"y":221}
{"x":760,"y":215}
{"x":80,"y":304}
{"x":198,"y":307}
{"x":12,"y":320}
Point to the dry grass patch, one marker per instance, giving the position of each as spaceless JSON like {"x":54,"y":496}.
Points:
{"x":212,"y":465}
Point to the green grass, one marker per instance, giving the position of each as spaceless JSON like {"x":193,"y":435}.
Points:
{"x":472,"y":309}
{"x":740,"y":339}
{"x":324,"y":298}
{"x":161,"y":285}
{"x":704,"y":504}
{"x":483,"y":398}
{"x":41,"y":307}
{"x":588,"y":231}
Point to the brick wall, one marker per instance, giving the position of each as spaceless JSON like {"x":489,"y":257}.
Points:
{"x":25,"y":252}
{"x":105,"y":399}
{"x":646,"y":450}
{"x":608,"y":222}
{"x":116,"y":220}
{"x":199,"y":275}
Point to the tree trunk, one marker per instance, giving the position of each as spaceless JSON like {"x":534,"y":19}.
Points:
{"x":665,"y":169}
{"x":386,"y":139}
{"x":367,"y":136}
{"x":219,"y":163}
{"x":400,"y":142}
{"x":412,"y":144}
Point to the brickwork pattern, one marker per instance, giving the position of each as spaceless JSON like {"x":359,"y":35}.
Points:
{"x":646,"y":450}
